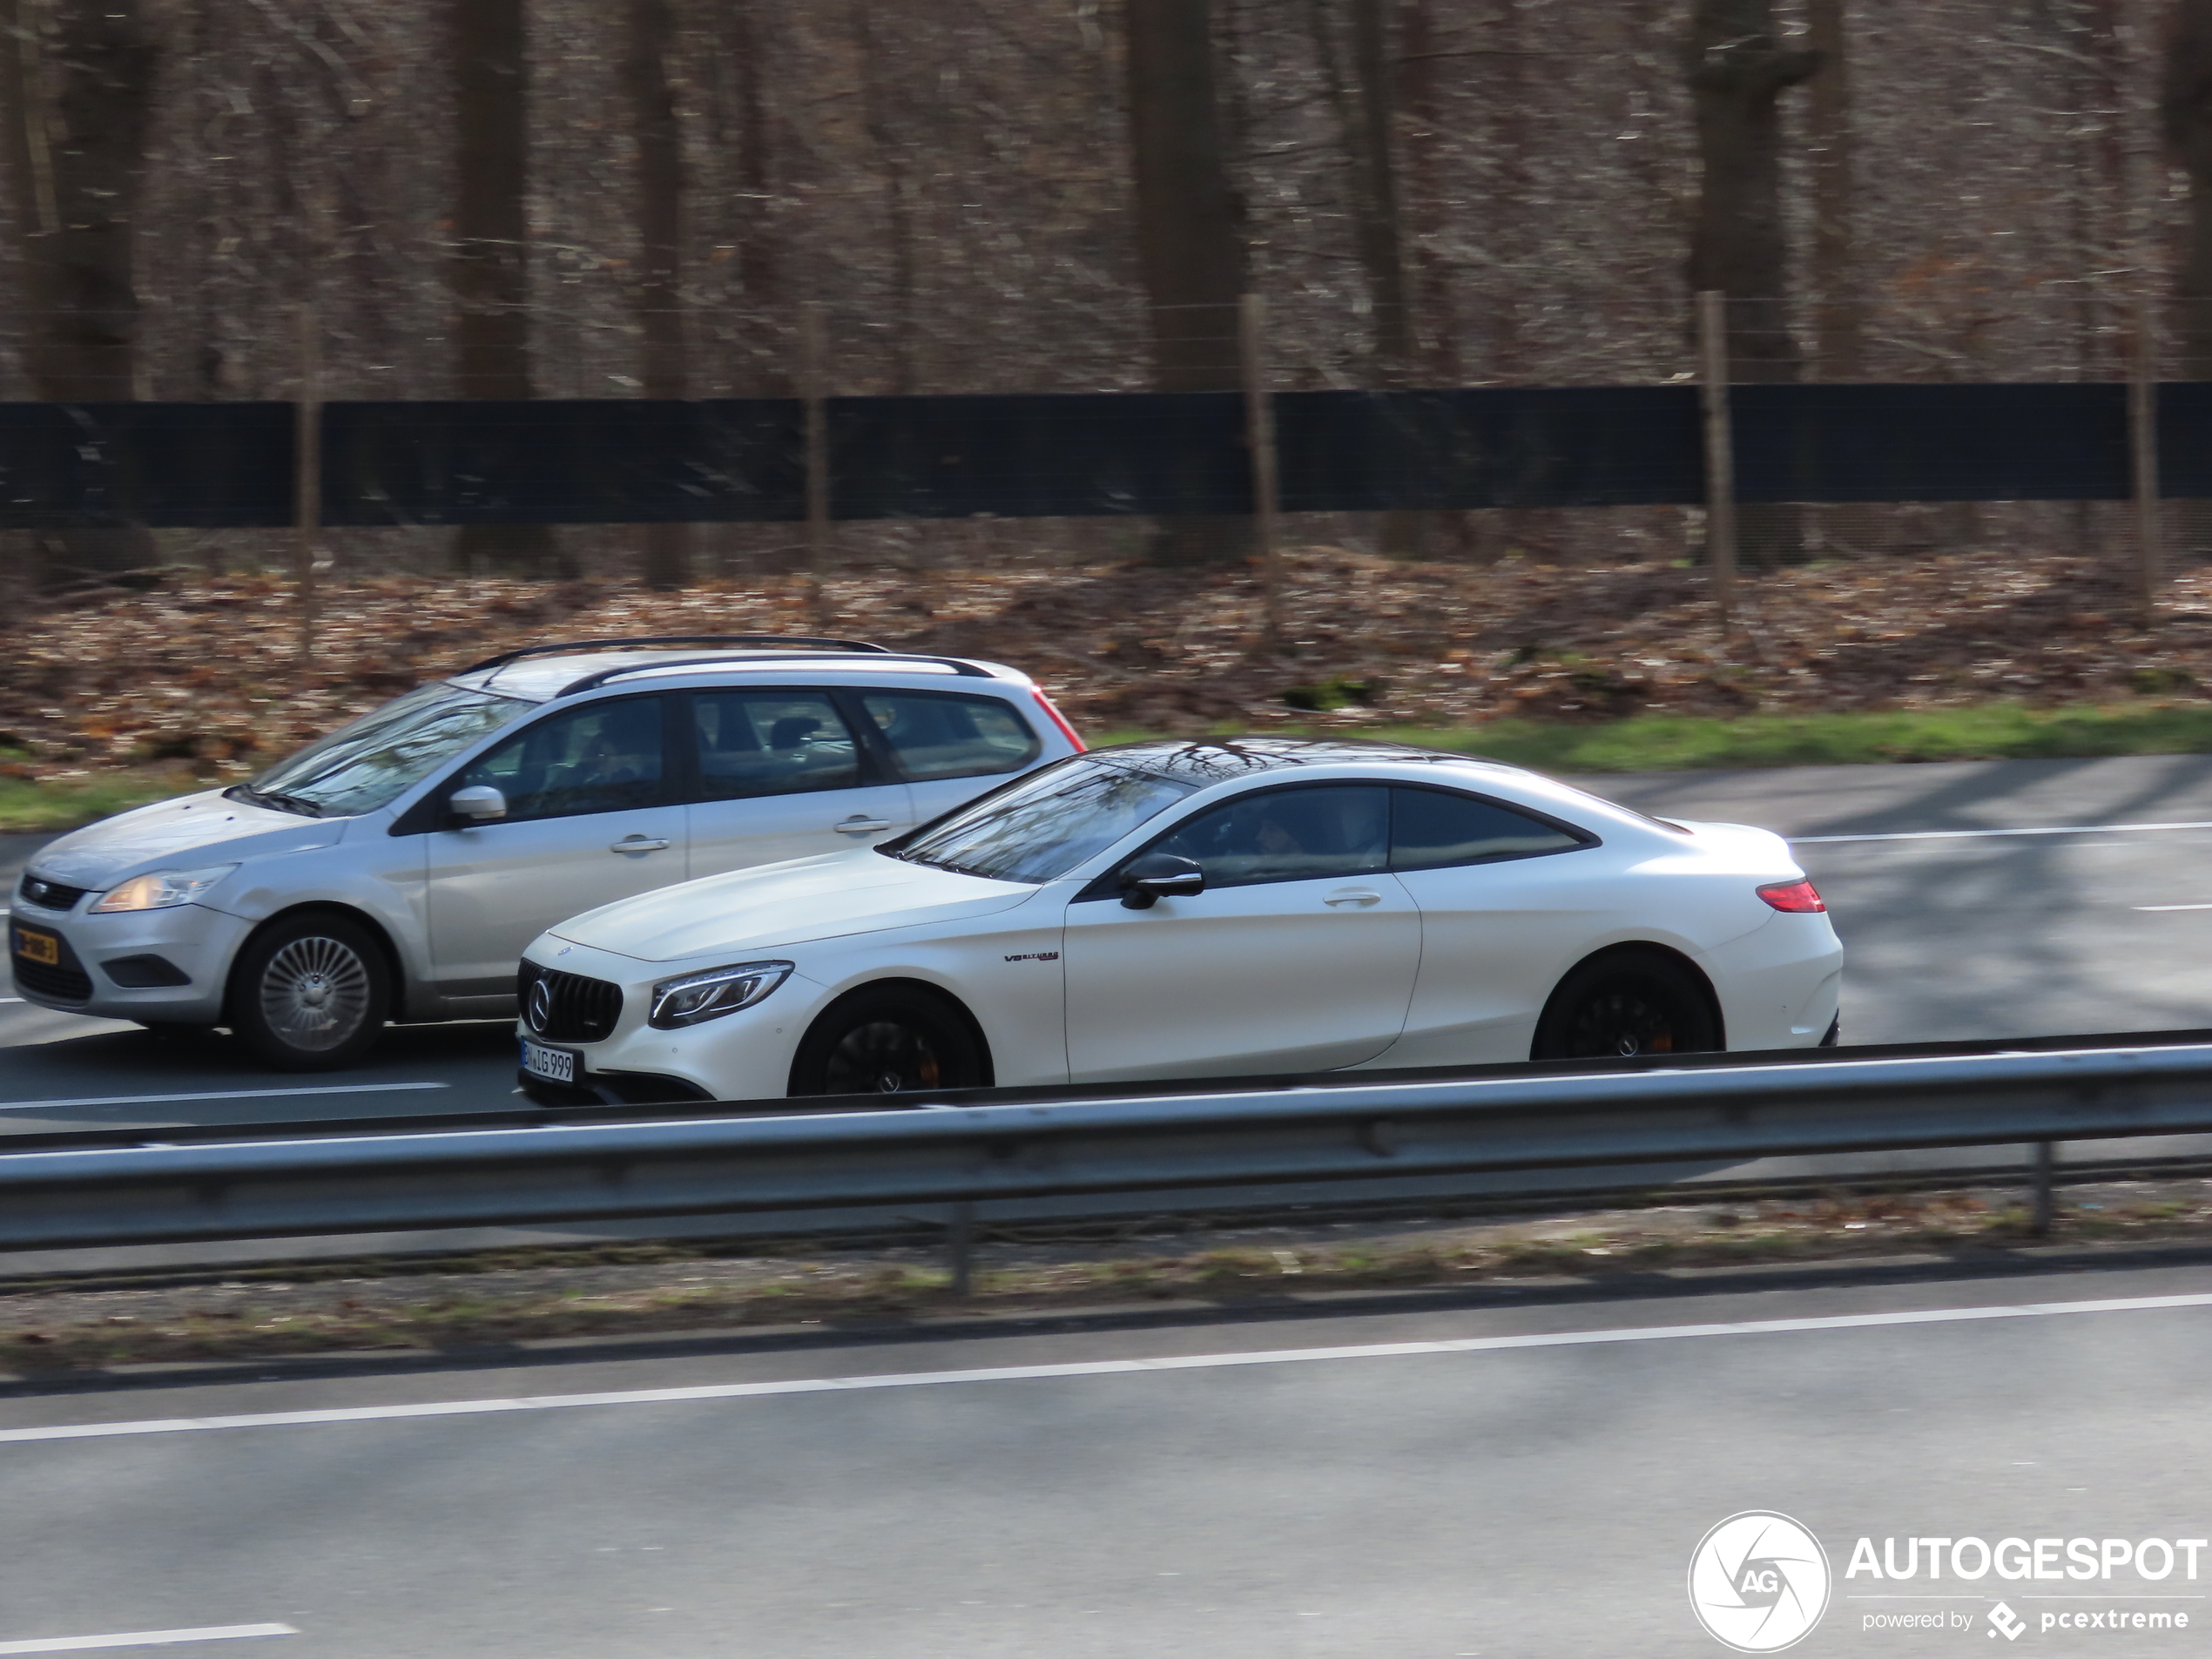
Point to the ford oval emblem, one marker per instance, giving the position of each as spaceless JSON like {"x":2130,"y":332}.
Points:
{"x":541,"y":1008}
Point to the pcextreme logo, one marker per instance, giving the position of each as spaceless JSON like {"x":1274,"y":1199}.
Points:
{"x":1758,"y":1581}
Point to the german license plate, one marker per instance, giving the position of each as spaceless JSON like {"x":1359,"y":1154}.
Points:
{"x":555,"y":1065}
{"x":36,"y":947}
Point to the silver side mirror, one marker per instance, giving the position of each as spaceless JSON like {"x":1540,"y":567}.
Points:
{"x":478,"y":804}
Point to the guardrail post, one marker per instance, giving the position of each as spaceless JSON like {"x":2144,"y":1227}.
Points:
{"x":2040,"y":1219}
{"x":960,"y":1239}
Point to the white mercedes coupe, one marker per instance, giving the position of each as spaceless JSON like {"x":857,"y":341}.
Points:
{"x":1172,"y":909}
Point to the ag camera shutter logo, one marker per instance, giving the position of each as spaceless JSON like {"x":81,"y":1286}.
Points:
{"x":1758,"y":1581}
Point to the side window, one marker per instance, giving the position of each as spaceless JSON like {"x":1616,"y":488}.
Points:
{"x":941,"y":735}
{"x":1288,"y":835}
{"x":1430,"y":830}
{"x":770,"y":742}
{"x":603,"y":758}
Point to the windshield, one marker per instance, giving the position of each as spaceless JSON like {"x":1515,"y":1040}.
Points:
{"x":1039,"y":829}
{"x":363,"y":764}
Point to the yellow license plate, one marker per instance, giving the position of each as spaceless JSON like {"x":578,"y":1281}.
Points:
{"x":33,"y":946}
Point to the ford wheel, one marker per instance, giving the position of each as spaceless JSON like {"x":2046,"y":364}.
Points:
{"x":311,"y":994}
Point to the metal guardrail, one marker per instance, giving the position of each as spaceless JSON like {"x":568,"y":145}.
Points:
{"x":967,"y":1154}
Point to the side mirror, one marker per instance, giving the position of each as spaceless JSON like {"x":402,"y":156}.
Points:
{"x":478,"y":804}
{"x":1156,"y":876}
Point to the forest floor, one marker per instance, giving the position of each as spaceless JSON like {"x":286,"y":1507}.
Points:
{"x":133,"y":695}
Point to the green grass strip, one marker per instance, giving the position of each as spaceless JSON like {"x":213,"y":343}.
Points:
{"x":1683,"y":742}
{"x":30,"y":808}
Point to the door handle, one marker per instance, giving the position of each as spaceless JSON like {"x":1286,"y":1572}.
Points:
{"x":640,"y":843}
{"x":856,"y":825}
{"x":1355,"y":895}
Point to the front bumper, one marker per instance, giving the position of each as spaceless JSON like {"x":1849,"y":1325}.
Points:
{"x":741,"y":1056}
{"x":190,"y":942}
{"x":609,"y":1088}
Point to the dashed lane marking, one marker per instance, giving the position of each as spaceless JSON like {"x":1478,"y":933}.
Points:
{"x":224,"y":1094}
{"x":1969,"y":834}
{"x":147,"y":1638}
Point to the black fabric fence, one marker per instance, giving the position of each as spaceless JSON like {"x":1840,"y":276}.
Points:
{"x":1070,"y":456}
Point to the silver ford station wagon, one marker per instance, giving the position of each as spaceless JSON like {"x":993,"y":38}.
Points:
{"x":395,"y":869}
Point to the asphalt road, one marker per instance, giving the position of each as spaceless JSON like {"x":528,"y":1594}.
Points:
{"x":1962,"y":917}
{"x":1519,"y":1480}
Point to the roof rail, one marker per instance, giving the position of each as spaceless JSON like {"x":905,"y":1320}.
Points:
{"x":600,"y":676}
{"x":800,"y":641}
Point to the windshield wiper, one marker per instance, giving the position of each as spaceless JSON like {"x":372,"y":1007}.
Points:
{"x":253,"y":797}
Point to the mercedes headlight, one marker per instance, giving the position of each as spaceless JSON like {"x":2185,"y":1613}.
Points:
{"x":161,"y":889}
{"x":713,"y":993}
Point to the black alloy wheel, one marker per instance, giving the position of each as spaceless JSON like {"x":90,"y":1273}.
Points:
{"x":891,"y":1042}
{"x":310,"y":994}
{"x":1626,"y":1004}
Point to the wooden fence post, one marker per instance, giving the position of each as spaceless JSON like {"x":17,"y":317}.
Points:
{"x":813,"y":354}
{"x":306,"y":483}
{"x":1720,"y":449}
{"x":1259,"y":438}
{"x":2142,"y":451}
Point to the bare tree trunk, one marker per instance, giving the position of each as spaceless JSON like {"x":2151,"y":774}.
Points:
{"x":1738,"y":70}
{"x":1189,"y":233}
{"x":488,"y":269}
{"x":1420,"y":96}
{"x":1514,"y":530}
{"x":2185,"y":117}
{"x":754,"y":315}
{"x":898,"y":205}
{"x":760,"y":266}
{"x":1838,"y":316}
{"x":76,"y":83}
{"x":1840,"y":326}
{"x":1364,"y":118}
{"x":660,"y":237}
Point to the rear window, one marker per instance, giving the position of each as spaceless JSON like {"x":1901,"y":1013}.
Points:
{"x":938,"y":734}
{"x":1432,"y":830}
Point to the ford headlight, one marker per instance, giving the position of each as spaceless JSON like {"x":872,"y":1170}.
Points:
{"x":713,"y":993}
{"x":161,"y":889}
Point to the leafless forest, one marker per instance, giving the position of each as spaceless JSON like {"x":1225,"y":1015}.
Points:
{"x":561,"y":199}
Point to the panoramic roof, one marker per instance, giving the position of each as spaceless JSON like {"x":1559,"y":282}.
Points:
{"x":1213,"y":760}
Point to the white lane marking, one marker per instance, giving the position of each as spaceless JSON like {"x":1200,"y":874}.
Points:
{"x":11,"y":999}
{"x":1955,"y":835}
{"x":148,"y":1638}
{"x":1096,"y":1368}
{"x":227,"y":1094}
{"x":2174,"y":906}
